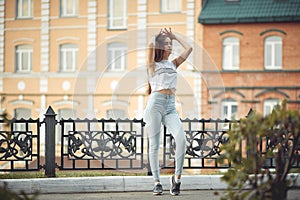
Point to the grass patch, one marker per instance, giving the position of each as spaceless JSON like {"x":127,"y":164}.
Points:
{"x":20,"y":175}
{"x":64,"y":174}
{"x":96,"y":173}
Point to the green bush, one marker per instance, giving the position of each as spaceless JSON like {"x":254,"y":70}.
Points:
{"x":250,"y":177}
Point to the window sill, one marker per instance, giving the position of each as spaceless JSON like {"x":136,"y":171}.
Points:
{"x":68,"y":16}
{"x":170,"y":12}
{"x":23,"y":72}
{"x":24,"y":18}
{"x":117,"y":29}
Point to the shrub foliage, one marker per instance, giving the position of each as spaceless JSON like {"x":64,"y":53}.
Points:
{"x":253,"y":144}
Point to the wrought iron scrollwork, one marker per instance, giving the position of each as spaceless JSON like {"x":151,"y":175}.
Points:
{"x":15,"y":145}
{"x":202,"y":144}
{"x":102,"y":144}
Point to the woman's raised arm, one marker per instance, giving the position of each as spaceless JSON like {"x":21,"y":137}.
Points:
{"x":187,"y":48}
{"x":150,"y":56}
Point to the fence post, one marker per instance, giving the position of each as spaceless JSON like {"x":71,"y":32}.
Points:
{"x":50,"y":124}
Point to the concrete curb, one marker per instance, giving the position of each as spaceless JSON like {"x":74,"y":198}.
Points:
{"x":107,"y":184}
{"x":111,"y":184}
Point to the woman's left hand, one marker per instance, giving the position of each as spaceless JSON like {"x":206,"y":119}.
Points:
{"x":169,"y":33}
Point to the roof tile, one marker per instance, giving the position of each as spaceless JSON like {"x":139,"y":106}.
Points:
{"x":218,"y":11}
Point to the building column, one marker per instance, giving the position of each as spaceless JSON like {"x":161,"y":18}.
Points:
{"x":190,"y":30}
{"x":2,"y":8}
{"x":92,"y":35}
{"x":45,"y":35}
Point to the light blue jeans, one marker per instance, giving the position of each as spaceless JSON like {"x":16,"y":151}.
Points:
{"x":160,"y":110}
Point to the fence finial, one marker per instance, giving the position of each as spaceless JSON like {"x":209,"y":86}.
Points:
{"x":50,"y":142}
{"x":50,"y":112}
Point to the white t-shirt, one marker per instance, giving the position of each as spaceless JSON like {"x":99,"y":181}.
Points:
{"x":164,"y":77}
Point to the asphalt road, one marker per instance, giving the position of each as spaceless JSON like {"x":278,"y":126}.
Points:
{"x":185,"y":195}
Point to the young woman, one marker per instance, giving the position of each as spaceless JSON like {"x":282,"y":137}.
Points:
{"x":160,"y":107}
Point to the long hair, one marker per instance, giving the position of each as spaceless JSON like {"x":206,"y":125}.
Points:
{"x":159,"y":47}
{"x":158,"y":52}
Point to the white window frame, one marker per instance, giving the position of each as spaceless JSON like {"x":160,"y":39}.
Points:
{"x":170,"y":6}
{"x":65,"y":113}
{"x":273,"y":48}
{"x":23,"y":52}
{"x":68,"y":52}
{"x":230,"y":61}
{"x":20,"y":113}
{"x":269,"y":105}
{"x":229,"y":103}
{"x":21,"y":9}
{"x":113,"y":18}
{"x":110,"y":113}
{"x":116,"y":53}
{"x":64,"y":8}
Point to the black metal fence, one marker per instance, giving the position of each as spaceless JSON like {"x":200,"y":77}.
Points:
{"x":20,"y":145}
{"x":102,"y":144}
{"x":98,"y":144}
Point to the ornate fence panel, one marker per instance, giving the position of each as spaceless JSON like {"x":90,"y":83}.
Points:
{"x":20,"y":145}
{"x":204,"y":139}
{"x":102,"y":144}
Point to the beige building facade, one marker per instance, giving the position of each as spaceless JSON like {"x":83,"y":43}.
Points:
{"x":86,"y":58}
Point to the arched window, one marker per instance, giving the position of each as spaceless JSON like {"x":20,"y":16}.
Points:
{"x":114,"y":114}
{"x":65,"y":113}
{"x":269,"y":105}
{"x":68,"y":57}
{"x":23,"y":58}
{"x":231,"y":53}
{"x":116,"y":56}
{"x":20,"y":113}
{"x":273,"y":52}
{"x":229,"y":109}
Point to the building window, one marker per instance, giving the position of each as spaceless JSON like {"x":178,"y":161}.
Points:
{"x":117,"y":14}
{"x":68,"y":8}
{"x":65,"y":113}
{"x":21,"y":113}
{"x":24,"y":9}
{"x":23,"y":58}
{"x":114,"y":114}
{"x":273,"y":52}
{"x":269,"y":105}
{"x":229,"y":109}
{"x":68,"y":57}
{"x":231,"y":53}
{"x":116,"y":56}
{"x":168,"y":6}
